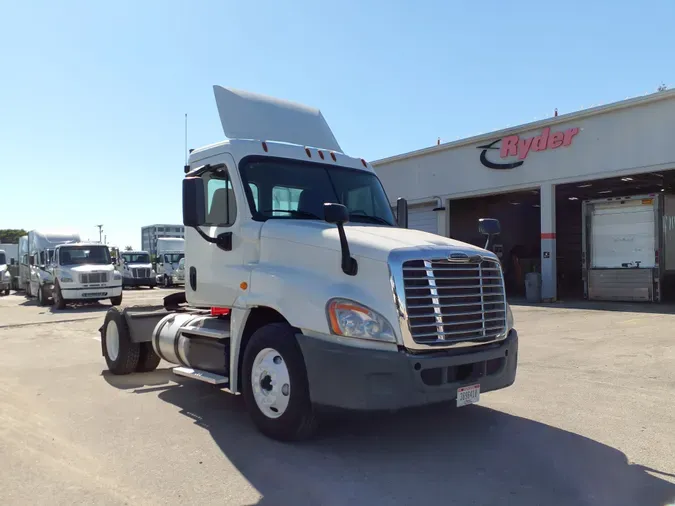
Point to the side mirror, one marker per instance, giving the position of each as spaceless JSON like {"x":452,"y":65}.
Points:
{"x":194,"y":205}
{"x":335,"y":213}
{"x":339,"y":215}
{"x":489,"y":227}
{"x":11,"y":262}
{"x":402,"y":212}
{"x":31,"y":260}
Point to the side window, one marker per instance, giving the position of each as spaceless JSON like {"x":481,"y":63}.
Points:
{"x":254,"y":191}
{"x":285,"y":199}
{"x":42,"y":257}
{"x":221,"y":207}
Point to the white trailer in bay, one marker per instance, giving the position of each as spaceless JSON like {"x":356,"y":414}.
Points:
{"x":170,"y":250}
{"x":303,"y":291}
{"x":628,"y":247}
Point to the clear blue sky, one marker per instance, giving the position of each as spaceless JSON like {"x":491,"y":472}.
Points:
{"x":93,"y":94}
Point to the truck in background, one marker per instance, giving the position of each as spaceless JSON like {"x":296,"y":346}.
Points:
{"x":37,"y":252}
{"x":5,"y":275}
{"x":84,"y":272}
{"x":178,"y":277}
{"x":136,"y":269}
{"x":170,"y":250}
{"x":303,"y":291}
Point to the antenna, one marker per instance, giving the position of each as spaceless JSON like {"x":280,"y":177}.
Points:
{"x":100,"y":232}
{"x":186,"y":148}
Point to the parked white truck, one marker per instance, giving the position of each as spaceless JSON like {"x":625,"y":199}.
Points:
{"x":5,"y":276}
{"x":36,"y":250}
{"x":83,"y":272}
{"x":302,"y":291}
{"x":170,"y":250}
{"x":136,"y":269}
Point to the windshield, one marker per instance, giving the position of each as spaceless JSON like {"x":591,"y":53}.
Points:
{"x":3,"y":258}
{"x":79,"y":255}
{"x":279,"y":188}
{"x":136,"y":258}
{"x":172,"y":258}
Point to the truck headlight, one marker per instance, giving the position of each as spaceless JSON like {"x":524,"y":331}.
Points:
{"x":5,"y":274}
{"x":350,"y":319}
{"x":66,"y":279}
{"x":153,"y":273}
{"x":117,"y":275}
{"x":509,"y":318}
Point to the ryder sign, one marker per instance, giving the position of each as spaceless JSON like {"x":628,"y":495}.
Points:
{"x":514,"y":146}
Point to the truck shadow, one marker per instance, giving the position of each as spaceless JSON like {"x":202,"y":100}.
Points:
{"x":473,"y":455}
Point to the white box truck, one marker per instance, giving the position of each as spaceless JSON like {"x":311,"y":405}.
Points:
{"x":83,"y":272}
{"x":37,"y":253}
{"x":170,"y":250}
{"x":5,"y":275}
{"x":302,"y":291}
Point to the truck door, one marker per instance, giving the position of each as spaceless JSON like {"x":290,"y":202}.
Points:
{"x":218,"y":272}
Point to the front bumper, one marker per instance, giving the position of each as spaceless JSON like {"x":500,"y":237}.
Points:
{"x":91,"y":293}
{"x":152,"y":281}
{"x":359,"y":379}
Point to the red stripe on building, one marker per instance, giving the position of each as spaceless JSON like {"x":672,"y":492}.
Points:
{"x":548,"y":235}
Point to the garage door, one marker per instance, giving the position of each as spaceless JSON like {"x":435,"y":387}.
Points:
{"x":423,"y":218}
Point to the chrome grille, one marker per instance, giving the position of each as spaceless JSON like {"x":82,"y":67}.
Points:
{"x":94,"y":277}
{"x":448,"y":301}
{"x":140,"y":272}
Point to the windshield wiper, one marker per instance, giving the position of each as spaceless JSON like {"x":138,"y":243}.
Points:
{"x":294,"y":213}
{"x":368,"y":218}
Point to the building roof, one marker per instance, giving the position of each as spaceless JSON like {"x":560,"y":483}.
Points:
{"x":603,"y":109}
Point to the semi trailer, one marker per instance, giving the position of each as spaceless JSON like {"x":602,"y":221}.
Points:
{"x":303,"y":291}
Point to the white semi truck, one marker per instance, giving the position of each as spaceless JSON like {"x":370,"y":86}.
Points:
{"x":170,"y":250}
{"x":36,"y":250}
{"x":302,"y":291}
{"x":136,"y":269}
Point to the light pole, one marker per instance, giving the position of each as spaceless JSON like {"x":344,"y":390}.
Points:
{"x":100,"y":232}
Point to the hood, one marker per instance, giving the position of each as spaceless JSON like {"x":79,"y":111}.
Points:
{"x":374,"y":242}
{"x":88,"y":268}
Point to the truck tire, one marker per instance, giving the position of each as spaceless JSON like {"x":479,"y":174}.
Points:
{"x":275,"y":386}
{"x":121,"y":354}
{"x":43,"y":299}
{"x":116,"y":301}
{"x":148,"y":360}
{"x":59,"y":301}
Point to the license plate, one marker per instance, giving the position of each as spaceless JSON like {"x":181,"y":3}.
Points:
{"x":468,"y":395}
{"x":95,"y":294}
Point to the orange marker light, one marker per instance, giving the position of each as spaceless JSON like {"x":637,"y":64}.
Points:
{"x":243,"y":285}
{"x":332,"y":155}
{"x":321,"y":154}
{"x":309,"y":153}
{"x":264,"y":145}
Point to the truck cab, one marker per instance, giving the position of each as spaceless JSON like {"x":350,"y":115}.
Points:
{"x":136,"y":269}
{"x":304,"y":291}
{"x":5,"y":275}
{"x":84,"y":272}
{"x":170,"y":251}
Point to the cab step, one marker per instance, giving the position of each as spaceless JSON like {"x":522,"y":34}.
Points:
{"x":205,"y":376}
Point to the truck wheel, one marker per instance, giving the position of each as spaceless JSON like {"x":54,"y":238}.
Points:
{"x":148,"y":360}
{"x":274,"y":384}
{"x":42,"y":296}
{"x":59,"y":301}
{"x":121,"y":355}
{"x":116,"y":301}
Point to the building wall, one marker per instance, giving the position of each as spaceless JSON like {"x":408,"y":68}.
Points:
{"x":634,"y":139}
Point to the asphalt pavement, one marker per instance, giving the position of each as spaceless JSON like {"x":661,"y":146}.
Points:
{"x":589,"y":421}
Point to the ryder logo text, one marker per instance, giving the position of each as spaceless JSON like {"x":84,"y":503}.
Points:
{"x":519,"y":147}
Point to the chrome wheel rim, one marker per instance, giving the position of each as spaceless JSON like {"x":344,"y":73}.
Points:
{"x":271,"y":383}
